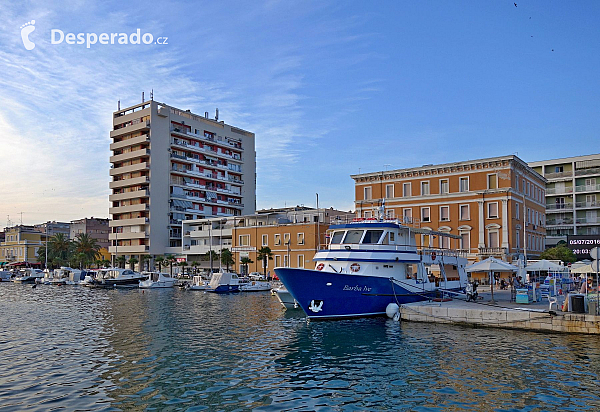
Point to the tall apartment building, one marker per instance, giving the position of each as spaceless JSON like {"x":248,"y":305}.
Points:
{"x":169,"y":165}
{"x":572,"y":196}
{"x":96,"y":228}
{"x":293,"y":234}
{"x":495,"y":205}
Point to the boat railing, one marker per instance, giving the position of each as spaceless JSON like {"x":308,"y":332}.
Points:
{"x":367,"y":246}
{"x":435,"y":252}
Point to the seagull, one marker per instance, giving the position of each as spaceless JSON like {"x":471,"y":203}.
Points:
{"x":552,"y":49}
{"x":515,"y":4}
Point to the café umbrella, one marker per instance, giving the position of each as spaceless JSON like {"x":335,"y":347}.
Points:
{"x":491,"y":265}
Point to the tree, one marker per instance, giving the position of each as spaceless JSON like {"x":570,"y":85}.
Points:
{"x":182,"y":265}
{"x":170,"y":260}
{"x":98,"y":263}
{"x":59,"y":247}
{"x":132,"y":261}
{"x":106,"y":263}
{"x":120,"y":261}
{"x":245,"y":261}
{"x":159,"y":260}
{"x":264,"y":254}
{"x":143,"y":260}
{"x":87,"y":246}
{"x":560,"y":252}
{"x":41,"y":256}
{"x":227,"y":258}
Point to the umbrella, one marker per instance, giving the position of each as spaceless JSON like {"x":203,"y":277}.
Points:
{"x":583,"y":269}
{"x":491,"y":265}
{"x":544,"y":265}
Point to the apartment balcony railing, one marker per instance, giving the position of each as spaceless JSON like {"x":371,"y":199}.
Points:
{"x":226,"y":143}
{"x":560,"y":206}
{"x":554,"y":222}
{"x":582,"y":205}
{"x":587,"y":188}
{"x":492,"y":251}
{"x":588,"y":220}
{"x":589,"y":171}
{"x":558,"y":175}
{"x":559,"y":190}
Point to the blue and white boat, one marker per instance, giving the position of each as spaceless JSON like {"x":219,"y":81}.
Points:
{"x":371,"y":263}
{"x":224,"y":282}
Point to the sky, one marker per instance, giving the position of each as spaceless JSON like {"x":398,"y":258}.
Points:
{"x":330,"y":88}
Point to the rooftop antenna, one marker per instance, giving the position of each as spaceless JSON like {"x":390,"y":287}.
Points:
{"x":151,"y":94}
{"x":217,"y":114}
{"x":118,"y":105}
{"x":385,"y":166}
{"x":21,"y":213}
{"x":142,"y":97}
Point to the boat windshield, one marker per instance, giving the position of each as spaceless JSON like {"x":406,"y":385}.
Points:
{"x":337,"y":236}
{"x":353,"y":236}
{"x":372,"y":236}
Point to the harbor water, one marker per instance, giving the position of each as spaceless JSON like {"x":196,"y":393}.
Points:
{"x":74,"y":348}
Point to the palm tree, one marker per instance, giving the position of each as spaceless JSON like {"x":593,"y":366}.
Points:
{"x":120,"y":261}
{"x":264,"y":254}
{"x":227,"y":258}
{"x":60,"y":246}
{"x":182,"y":265}
{"x":132,"y":261}
{"x":98,"y":263}
{"x":86,"y":245}
{"x":170,"y":260}
{"x":143,"y":260}
{"x":246,"y":261}
{"x":159,"y":260}
{"x":41,"y":255}
{"x":105,"y":263}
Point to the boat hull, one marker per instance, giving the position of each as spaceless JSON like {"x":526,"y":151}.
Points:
{"x":224,"y":289}
{"x":329,"y":295}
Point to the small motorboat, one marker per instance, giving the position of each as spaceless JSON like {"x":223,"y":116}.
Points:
{"x":224,"y":283}
{"x":66,"y":276}
{"x":157,"y":280}
{"x":114,"y":277}
{"x":198,"y":283}
{"x":28,"y":275}
{"x":255,"y":286}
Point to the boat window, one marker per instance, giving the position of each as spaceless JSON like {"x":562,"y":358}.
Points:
{"x":128,"y":272}
{"x":353,"y":236}
{"x":337,"y":236}
{"x":372,"y":236}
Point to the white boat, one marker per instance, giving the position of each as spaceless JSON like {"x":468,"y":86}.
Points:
{"x":66,"y":276}
{"x":117,"y":277}
{"x":28,"y":275}
{"x":224,"y":283}
{"x":5,"y":276}
{"x":255,"y":286}
{"x":285,"y":298}
{"x":157,"y":280}
{"x":198,"y":283}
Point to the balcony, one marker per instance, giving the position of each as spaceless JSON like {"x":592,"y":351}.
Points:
{"x":127,"y":235}
{"x":134,"y":181}
{"x":129,"y":169}
{"x":136,"y":194}
{"x":559,"y":207}
{"x":130,"y":142}
{"x":134,"y":127}
{"x":588,"y":171}
{"x":588,"y":220}
{"x":559,"y":190}
{"x":559,"y":175}
{"x":587,"y":188}
{"x":492,"y":251}
{"x":555,"y":222}
{"x":128,"y":209}
{"x":130,"y":155}
{"x":128,"y":222}
{"x":585,"y":205}
{"x":136,"y":249}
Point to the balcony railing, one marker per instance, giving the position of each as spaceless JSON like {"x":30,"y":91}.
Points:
{"x":560,"y":206}
{"x":559,"y":190}
{"x":558,"y":175}
{"x":588,"y":220}
{"x":589,"y":171}
{"x":587,"y":188}
{"x":492,"y":251}
{"x":553,"y":222}
{"x":581,"y":205}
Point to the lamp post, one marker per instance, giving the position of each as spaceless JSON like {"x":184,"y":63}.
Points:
{"x":318,"y":226}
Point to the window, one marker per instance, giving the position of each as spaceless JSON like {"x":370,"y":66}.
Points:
{"x":265,"y":240}
{"x":406,"y":189}
{"x":277,"y":240}
{"x":444,"y":213}
{"x":277,"y":261}
{"x":528,"y":193}
{"x":493,"y":210}
{"x":337,"y":237}
{"x":244,"y":240}
{"x":286,"y":238}
{"x":464,"y":212}
{"x":389,"y":214}
{"x":372,"y":236}
{"x":465,"y":239}
{"x":353,"y":236}
{"x":493,"y":181}
{"x":493,"y":238}
{"x":518,"y":240}
{"x":285,"y":261}
{"x":368,"y":215}
{"x":444,"y":187}
{"x":424,"y":188}
{"x":300,"y":261}
{"x":425,"y":214}
{"x":558,"y":169}
{"x":300,"y":238}
{"x":517,"y":208}
{"x":367,"y":193}
{"x":407,"y":215}
{"x":389,"y":191}
{"x":463,"y":184}
{"x":445,"y":242}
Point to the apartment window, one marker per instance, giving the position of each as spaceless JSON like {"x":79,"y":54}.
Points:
{"x":286,"y":263}
{"x":300,"y":238}
{"x":463,"y":184}
{"x":517,"y":208}
{"x":528,"y":215}
{"x":444,"y":213}
{"x":464,"y":212}
{"x":407,"y":215}
{"x":445,"y":242}
{"x":265,"y":240}
{"x":277,"y":240}
{"x":493,"y":181}
{"x":425,"y":217}
{"x":300,"y":261}
{"x":517,"y":185}
{"x":465,"y":240}
{"x":424,"y":188}
{"x":368,"y":215}
{"x":244,"y":240}
{"x":389,"y":214}
{"x":367,"y":193}
{"x":518,"y":240}
{"x":493,"y":210}
{"x":389,"y":191}
{"x":406,"y":189}
{"x":493,"y":239}
{"x":444,"y":187}
{"x":528,"y":193}
{"x":277,"y":261}
{"x":558,"y":169}
{"x":286,"y":238}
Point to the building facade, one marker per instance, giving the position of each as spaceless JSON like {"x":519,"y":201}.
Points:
{"x":169,"y":165}
{"x":572,"y":196}
{"x":293,"y":235}
{"x":53,"y":228}
{"x":495,"y":205}
{"x":21,"y":244}
{"x":96,"y":228}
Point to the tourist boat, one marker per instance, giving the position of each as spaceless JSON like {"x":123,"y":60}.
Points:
{"x":28,"y":275}
{"x":117,"y":277}
{"x":67,"y":276}
{"x":198,"y":283}
{"x":224,"y":282}
{"x":255,"y":286}
{"x":285,"y":298}
{"x":372,"y":263}
{"x":157,"y":280}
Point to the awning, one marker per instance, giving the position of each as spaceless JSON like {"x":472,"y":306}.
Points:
{"x":186,"y":204}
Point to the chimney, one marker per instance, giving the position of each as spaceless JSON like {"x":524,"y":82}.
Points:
{"x":217,"y":114}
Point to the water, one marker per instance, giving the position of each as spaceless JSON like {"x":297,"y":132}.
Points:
{"x":73,"y":348}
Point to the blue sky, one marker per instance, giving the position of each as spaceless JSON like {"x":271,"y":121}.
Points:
{"x":330,"y":88}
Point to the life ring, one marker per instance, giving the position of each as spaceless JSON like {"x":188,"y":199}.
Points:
{"x":433,"y":255}
{"x":320,"y":266}
{"x":355,"y":267}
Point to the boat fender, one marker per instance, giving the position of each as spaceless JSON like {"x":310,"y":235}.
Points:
{"x":391,"y":310}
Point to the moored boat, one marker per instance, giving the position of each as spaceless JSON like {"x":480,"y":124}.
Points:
{"x":28,"y":275}
{"x":285,"y":298}
{"x":224,"y":282}
{"x":370,"y":264}
{"x":255,"y":286}
{"x":117,"y":277}
{"x":198,"y":283}
{"x":157,"y":280}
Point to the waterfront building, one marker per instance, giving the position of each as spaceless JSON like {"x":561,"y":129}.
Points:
{"x":52,"y":228}
{"x":572,"y":196}
{"x":96,"y":228}
{"x":293,"y":234}
{"x":495,"y":205}
{"x":169,"y":165}
{"x":21,"y":244}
